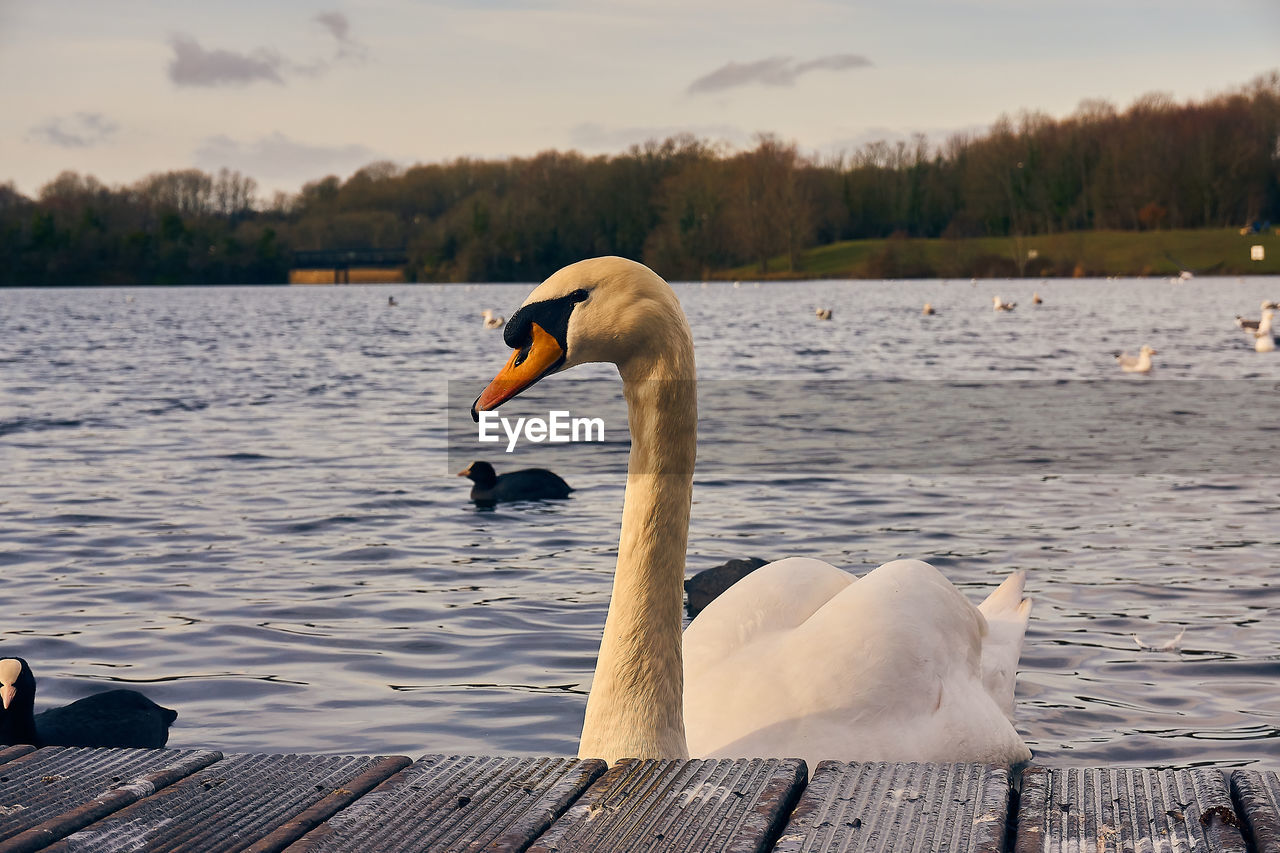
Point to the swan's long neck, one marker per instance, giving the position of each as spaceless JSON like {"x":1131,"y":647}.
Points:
{"x":636,"y":704}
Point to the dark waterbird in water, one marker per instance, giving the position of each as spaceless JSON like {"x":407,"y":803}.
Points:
{"x":704,"y":587}
{"x":116,"y":718}
{"x":531,"y":484}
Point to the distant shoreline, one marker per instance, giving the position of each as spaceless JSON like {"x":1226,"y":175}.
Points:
{"x":1074,"y":254}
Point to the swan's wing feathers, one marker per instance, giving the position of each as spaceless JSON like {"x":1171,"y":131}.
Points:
{"x":775,"y":597}
{"x":1007,"y":599}
{"x":1007,"y":613}
{"x":906,"y":621}
{"x":889,"y":667}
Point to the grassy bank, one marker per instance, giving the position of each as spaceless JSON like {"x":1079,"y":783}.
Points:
{"x":1079,"y":253}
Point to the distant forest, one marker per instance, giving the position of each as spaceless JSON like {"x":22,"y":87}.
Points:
{"x":685,"y":206}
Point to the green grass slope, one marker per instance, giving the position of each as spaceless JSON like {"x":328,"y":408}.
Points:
{"x":1079,"y":253}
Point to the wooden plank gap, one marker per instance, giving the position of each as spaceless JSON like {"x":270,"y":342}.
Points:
{"x":326,"y":808}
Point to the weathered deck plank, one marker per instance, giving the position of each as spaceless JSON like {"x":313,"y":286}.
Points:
{"x":15,"y":751}
{"x":458,"y":804}
{"x":885,"y":807}
{"x":52,"y":792}
{"x":244,"y":802}
{"x":1101,"y":809}
{"x":63,"y":800}
{"x":1258,"y":795}
{"x":735,"y":806}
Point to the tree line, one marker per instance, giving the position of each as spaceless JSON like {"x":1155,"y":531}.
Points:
{"x":686,"y":206}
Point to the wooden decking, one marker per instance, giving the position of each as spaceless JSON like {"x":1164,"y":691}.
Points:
{"x":60,"y":799}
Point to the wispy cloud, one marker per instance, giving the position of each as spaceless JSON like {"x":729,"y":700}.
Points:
{"x":276,"y":158}
{"x":192,"y":65}
{"x":340,"y":28}
{"x":80,"y":130}
{"x":336,"y":23}
{"x":774,"y":71}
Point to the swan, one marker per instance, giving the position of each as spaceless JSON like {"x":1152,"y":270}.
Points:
{"x":492,"y":320}
{"x":1140,"y":363}
{"x":1035,"y":299}
{"x":798,"y":659}
{"x":997,"y":305}
{"x":1264,"y":339}
{"x":927,"y":309}
{"x":822,"y":313}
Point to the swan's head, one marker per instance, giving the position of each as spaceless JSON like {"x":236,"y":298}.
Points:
{"x":16,"y":680}
{"x":599,"y":310}
{"x":1146,"y":350}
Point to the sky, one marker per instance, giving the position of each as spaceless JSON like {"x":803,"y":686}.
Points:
{"x":290,"y":91}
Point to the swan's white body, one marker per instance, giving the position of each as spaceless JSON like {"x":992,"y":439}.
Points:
{"x":799,"y":659}
{"x":492,"y":320}
{"x":1264,"y":339}
{"x":802,"y":659}
{"x":998,"y":305}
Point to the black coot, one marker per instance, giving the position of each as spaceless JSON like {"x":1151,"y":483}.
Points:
{"x":117,"y":718}
{"x":531,"y":484}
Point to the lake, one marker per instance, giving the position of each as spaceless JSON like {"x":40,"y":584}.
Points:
{"x":242,"y":502}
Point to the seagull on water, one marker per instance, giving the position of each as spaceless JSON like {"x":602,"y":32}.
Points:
{"x":1140,"y":363}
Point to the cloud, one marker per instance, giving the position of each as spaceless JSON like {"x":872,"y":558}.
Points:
{"x":774,"y":71}
{"x":595,"y":137}
{"x":340,"y":28}
{"x":276,"y":159}
{"x":192,"y":65}
{"x":81,"y":130}
{"x":336,"y":23}
{"x":835,"y":62}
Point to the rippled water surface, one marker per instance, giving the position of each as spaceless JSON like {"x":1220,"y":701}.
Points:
{"x":239,"y":500}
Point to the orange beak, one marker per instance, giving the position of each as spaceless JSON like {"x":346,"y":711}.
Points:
{"x":525,"y":367}
{"x":7,"y":693}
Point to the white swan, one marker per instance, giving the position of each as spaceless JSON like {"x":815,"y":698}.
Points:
{"x":492,"y":320}
{"x":799,"y":658}
{"x":997,"y":305}
{"x":1264,"y":338}
{"x":1140,"y":363}
{"x":822,"y":313}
